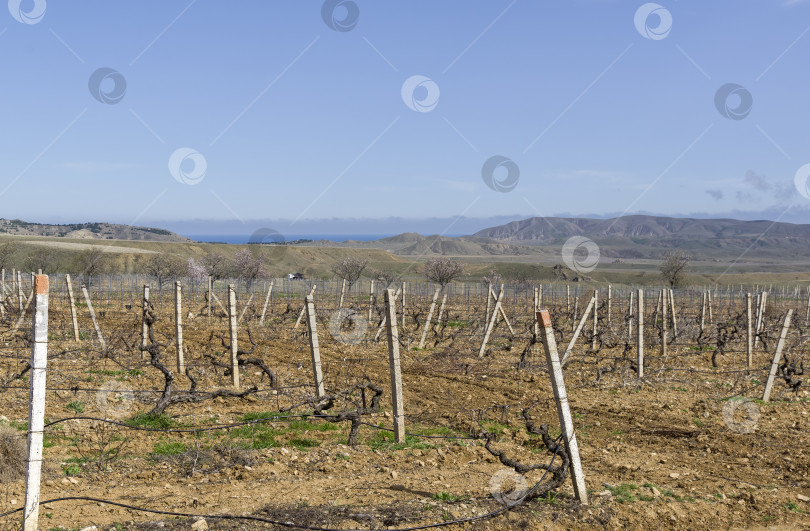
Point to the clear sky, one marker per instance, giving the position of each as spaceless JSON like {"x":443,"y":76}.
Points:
{"x":291,"y":111}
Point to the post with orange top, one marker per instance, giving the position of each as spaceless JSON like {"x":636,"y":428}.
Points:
{"x":36,"y":406}
{"x":563,"y":410}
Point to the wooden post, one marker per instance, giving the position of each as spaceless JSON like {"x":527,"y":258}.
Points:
{"x":430,"y":315}
{"x":761,"y":317}
{"x":578,"y":330}
{"x":630,"y":319}
{"x":568,"y":299}
{"x":266,"y":302}
{"x":403,"y":307}
{"x":563,"y":409}
{"x":312,"y":325}
{"x":674,"y":318}
{"x":503,"y":314}
{"x":20,"y":291}
{"x":491,"y":324}
{"x":703,"y":313}
{"x":576,"y":312}
{"x":370,"y":299}
{"x":245,"y":308}
{"x":595,"y":317}
{"x":144,"y":327}
{"x":766,"y":396}
{"x":609,"y":301}
{"x":36,"y":403}
{"x":663,"y":300}
{"x":640,"y":327}
{"x":441,"y":308}
{"x":342,"y":292}
{"x":210,"y":296}
{"x":233,"y":334}
{"x":178,"y":325}
{"x":93,"y":317}
{"x":709,"y":302}
{"x":304,"y":309}
{"x":489,"y":307}
{"x":393,"y":361}
{"x":749,"y":344}
{"x":385,"y":317}
{"x":536,"y":309}
{"x":72,"y":303}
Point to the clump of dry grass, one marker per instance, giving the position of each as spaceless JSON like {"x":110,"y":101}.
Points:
{"x":12,"y":454}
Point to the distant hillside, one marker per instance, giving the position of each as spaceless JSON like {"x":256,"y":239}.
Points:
{"x":89,"y":231}
{"x":652,"y":236}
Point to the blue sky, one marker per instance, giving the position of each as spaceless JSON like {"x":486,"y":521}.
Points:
{"x":296,"y":121}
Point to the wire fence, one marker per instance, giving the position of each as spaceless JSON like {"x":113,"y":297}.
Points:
{"x":112,"y":383}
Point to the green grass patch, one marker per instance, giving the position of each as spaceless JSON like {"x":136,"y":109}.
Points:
{"x":624,"y":493}
{"x":75,"y":406}
{"x":302,"y":443}
{"x":384,"y":440}
{"x":148,"y":420}
{"x":168,"y":448}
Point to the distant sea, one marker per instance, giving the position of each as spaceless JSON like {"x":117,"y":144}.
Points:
{"x":244,"y":238}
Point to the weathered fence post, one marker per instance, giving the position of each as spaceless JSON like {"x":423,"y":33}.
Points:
{"x":709,"y":303}
{"x":630,"y":319}
{"x":640,"y":327}
{"x":178,"y":325}
{"x":749,"y":344}
{"x":144,"y":326}
{"x":233,"y":336}
{"x":663,"y":300}
{"x":763,"y":303}
{"x":703,"y":313}
{"x":210,"y":296}
{"x":609,"y":302}
{"x":403,"y":307}
{"x":312,"y":326}
{"x":563,"y":409}
{"x":491,"y":324}
{"x":429,"y":317}
{"x":93,"y":317}
{"x":595,"y":317}
{"x":393,"y":360}
{"x":342,"y":292}
{"x":36,"y":405}
{"x":303,"y":312}
{"x":266,"y":302}
{"x":578,"y":331}
{"x":370,"y":299}
{"x":674,"y":318}
{"x":776,"y":357}
{"x":72,"y":302}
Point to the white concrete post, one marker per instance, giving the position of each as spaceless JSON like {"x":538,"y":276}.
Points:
{"x":93,"y":317}
{"x":429,"y":317}
{"x":312,"y":326}
{"x":766,"y":396}
{"x":595,"y":317}
{"x":640,"y":327}
{"x":578,"y":331}
{"x":72,"y":303}
{"x":563,"y":409}
{"x":178,"y":324}
{"x":393,"y":361}
{"x":749,"y":344}
{"x":370,"y":299}
{"x":266,"y":302}
{"x":36,"y":406}
{"x":233,"y":334}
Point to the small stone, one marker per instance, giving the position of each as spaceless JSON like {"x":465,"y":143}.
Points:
{"x":89,"y":528}
{"x":394,"y":474}
{"x":655,"y":492}
{"x":674,"y":475}
{"x":604,"y":494}
{"x":74,"y":481}
{"x":13,"y":502}
{"x":802,"y":497}
{"x":200,"y":525}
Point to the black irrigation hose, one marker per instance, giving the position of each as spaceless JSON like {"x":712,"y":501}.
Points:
{"x":490,"y":514}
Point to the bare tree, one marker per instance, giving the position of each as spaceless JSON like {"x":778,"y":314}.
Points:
{"x":216,"y":265}
{"x":493,"y":278}
{"x":349,"y":269}
{"x":249,"y":266}
{"x":164,"y":267}
{"x":41,"y":257}
{"x":91,"y":263}
{"x":674,"y":267}
{"x":443,"y":270}
{"x":8,"y":252}
{"x":386,"y":276}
